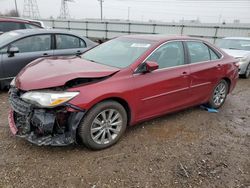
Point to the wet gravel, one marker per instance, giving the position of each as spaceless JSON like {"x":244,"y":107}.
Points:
{"x":191,"y":148}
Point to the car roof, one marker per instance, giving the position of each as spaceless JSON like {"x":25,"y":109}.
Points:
{"x":17,"y":34}
{"x":8,"y":19}
{"x":160,"y":37}
{"x":27,"y":32}
{"x":19,"y":20}
{"x":237,"y":38}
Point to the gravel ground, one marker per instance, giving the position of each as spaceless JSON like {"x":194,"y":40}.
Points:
{"x":191,"y":148}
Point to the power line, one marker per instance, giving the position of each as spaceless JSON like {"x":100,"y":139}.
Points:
{"x":191,"y":3}
{"x":30,"y":9}
{"x":64,"y":12}
{"x":173,"y":13}
{"x":181,"y":1}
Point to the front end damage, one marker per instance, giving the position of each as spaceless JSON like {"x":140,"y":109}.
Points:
{"x":55,"y":127}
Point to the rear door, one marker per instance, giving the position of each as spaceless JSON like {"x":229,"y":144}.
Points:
{"x":205,"y":70}
{"x":30,"y":48}
{"x":66,"y":45}
{"x":165,"y":89}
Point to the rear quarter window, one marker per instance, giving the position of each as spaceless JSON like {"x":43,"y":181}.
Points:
{"x":64,"y":41}
{"x":31,"y":26}
{"x":200,"y":52}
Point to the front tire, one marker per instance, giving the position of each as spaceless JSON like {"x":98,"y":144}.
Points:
{"x":103,"y":125}
{"x":219,"y":95}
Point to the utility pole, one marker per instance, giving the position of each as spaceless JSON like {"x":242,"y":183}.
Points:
{"x":101,"y":1}
{"x":219,"y":18}
{"x":16,"y":9}
{"x":128,"y":13}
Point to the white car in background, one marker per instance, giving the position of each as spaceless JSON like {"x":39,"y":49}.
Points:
{"x":239,"y":48}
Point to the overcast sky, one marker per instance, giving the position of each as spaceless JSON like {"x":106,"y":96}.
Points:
{"x":162,"y":10}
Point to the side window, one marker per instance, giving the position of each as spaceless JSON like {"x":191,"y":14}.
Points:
{"x":213,"y":55}
{"x":198,"y":52}
{"x":3,"y":50}
{"x":169,"y":55}
{"x":67,"y":42}
{"x":34,"y":43}
{"x":10,"y":26}
{"x":30,"y":26}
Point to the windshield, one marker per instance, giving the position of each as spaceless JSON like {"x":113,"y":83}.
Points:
{"x":6,"y":37}
{"x":235,"y":44}
{"x":120,"y":52}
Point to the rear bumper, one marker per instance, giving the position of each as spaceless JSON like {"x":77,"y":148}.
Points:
{"x":55,"y":127}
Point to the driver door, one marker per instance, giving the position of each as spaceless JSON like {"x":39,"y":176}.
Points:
{"x":167,"y":88}
{"x":30,"y":48}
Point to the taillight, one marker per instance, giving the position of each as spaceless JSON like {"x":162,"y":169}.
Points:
{"x":237,"y":63}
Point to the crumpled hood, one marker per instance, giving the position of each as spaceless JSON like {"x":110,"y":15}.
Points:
{"x":237,"y":53}
{"x":56,"y":71}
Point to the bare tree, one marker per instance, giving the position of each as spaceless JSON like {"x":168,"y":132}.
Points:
{"x":11,"y":13}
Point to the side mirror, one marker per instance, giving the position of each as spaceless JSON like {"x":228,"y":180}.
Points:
{"x":150,"y":66}
{"x":12,"y":51}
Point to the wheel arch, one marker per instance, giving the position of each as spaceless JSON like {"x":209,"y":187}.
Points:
{"x":121,"y":101}
{"x":228,"y":82}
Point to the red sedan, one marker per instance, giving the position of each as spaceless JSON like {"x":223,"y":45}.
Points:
{"x":93,"y":98}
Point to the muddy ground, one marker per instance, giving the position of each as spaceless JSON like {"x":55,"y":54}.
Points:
{"x":191,"y":148}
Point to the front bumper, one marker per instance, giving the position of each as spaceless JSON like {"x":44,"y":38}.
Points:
{"x":55,"y":127}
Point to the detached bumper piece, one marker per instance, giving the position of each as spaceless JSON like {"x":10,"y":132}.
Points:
{"x":55,"y":127}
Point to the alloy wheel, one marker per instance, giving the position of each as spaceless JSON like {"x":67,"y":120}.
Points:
{"x":220,"y":94}
{"x":106,"y":126}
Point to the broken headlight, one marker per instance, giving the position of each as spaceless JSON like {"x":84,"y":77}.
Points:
{"x":13,"y":82}
{"x":48,"y":99}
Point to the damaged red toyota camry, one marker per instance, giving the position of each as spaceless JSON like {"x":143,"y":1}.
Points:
{"x":93,"y":98}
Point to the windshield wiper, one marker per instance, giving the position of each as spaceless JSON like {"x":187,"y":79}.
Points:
{"x":234,"y":48}
{"x":91,"y":60}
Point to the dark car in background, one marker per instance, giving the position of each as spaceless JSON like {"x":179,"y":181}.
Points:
{"x":10,"y":24}
{"x":20,"y":47}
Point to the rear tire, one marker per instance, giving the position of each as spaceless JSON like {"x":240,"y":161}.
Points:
{"x":219,"y":95}
{"x":103,"y":125}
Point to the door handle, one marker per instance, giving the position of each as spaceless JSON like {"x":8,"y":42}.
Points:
{"x":218,"y":66}
{"x":78,"y":52}
{"x":184,"y":73}
{"x":45,"y":55}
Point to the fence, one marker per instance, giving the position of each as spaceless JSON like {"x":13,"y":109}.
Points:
{"x":111,"y":29}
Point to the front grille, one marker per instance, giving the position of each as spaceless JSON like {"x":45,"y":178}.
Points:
{"x":18,"y":105}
